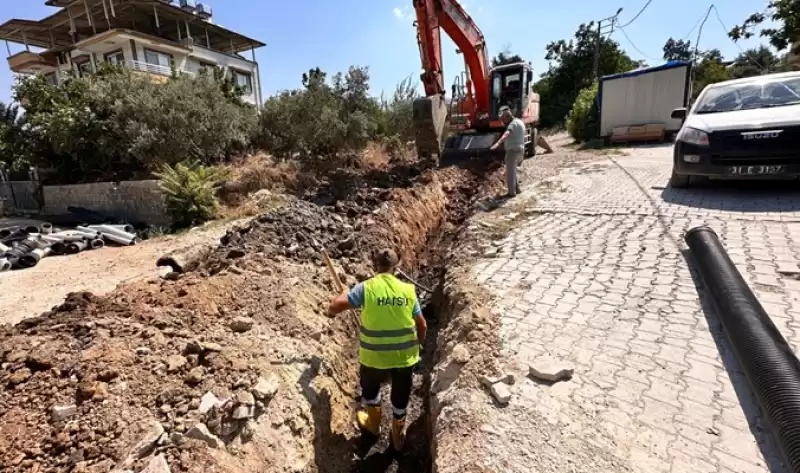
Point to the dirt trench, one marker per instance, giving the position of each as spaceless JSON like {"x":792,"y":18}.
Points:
{"x":149,"y":352}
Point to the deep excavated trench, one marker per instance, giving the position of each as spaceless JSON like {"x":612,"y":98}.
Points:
{"x":422,"y":221}
{"x":111,"y":355}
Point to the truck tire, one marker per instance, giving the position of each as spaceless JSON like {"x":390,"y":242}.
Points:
{"x":678,"y":181}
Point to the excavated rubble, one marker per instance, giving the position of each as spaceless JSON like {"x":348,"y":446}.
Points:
{"x":160,"y":373}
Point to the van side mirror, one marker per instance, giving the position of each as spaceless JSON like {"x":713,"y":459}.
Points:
{"x":530,"y":76}
{"x":679,"y":114}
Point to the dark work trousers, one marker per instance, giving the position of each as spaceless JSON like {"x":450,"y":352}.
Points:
{"x":402,"y":380}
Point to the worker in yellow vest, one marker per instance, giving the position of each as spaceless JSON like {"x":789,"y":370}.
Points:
{"x":392,"y":330}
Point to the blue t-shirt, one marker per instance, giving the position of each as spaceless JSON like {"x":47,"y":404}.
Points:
{"x":356,"y":298}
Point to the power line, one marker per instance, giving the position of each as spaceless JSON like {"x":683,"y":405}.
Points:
{"x":725,"y":28}
{"x":700,"y":32}
{"x":637,"y":15}
{"x":693,"y":28}
{"x":634,"y":45}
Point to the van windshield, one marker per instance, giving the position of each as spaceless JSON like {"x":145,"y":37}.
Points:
{"x":761,"y":92}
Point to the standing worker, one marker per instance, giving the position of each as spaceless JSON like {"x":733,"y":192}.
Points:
{"x":392,"y":330}
{"x":514,"y":139}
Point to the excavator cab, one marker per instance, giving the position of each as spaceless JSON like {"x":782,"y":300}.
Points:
{"x":511,"y":85}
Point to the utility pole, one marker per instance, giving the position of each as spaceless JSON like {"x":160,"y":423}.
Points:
{"x":604,"y":26}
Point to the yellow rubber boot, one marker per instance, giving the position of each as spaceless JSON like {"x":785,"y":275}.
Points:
{"x":398,"y":434}
{"x":369,"y":419}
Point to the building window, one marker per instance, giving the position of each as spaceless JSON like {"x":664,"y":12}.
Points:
{"x":161,"y":61}
{"x":207,"y":67}
{"x":51,"y":78}
{"x":85,"y":68}
{"x":243,"y":80}
{"x":116,"y":58}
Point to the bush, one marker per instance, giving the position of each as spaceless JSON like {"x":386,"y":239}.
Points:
{"x":190,"y":191}
{"x":328,"y":123}
{"x":582,"y":120}
{"x":116,"y":125}
{"x":12,"y":137}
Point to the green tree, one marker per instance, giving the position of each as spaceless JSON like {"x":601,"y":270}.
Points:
{"x":785,"y":14}
{"x":118,"y":125}
{"x":12,"y":140}
{"x":679,"y":50}
{"x":326,"y":122}
{"x":709,"y":69}
{"x":505,"y":57}
{"x":571,"y":70}
{"x":582,"y":119}
{"x":754,"y":62}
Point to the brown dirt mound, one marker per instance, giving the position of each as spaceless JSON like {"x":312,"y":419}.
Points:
{"x":149,"y":352}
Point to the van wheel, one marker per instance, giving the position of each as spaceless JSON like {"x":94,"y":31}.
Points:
{"x":678,"y":181}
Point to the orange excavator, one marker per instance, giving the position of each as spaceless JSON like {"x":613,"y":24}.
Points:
{"x":466,"y":125}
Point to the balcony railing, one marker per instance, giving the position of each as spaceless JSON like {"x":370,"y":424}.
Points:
{"x":154,"y":68}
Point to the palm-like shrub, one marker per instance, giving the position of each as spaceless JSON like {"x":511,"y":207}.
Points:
{"x":190,"y":189}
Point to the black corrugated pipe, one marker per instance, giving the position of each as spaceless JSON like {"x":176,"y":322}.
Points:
{"x":14,"y":255}
{"x":15,"y":235}
{"x":768,"y":363}
{"x":4,"y":232}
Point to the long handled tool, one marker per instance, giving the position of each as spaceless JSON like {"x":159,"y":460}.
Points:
{"x":334,"y":275}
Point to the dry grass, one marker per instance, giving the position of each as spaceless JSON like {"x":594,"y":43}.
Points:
{"x":260,"y":171}
{"x":250,"y":174}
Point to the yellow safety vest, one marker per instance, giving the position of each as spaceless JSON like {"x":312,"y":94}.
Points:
{"x":388,"y":331}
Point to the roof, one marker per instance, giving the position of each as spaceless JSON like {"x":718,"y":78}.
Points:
{"x":648,"y":70}
{"x":137,"y":15}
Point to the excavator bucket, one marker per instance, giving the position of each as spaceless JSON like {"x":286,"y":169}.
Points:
{"x":429,"y":116}
{"x":462,"y":148}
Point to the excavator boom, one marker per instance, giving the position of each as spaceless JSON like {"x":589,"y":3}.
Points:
{"x":430,"y":112}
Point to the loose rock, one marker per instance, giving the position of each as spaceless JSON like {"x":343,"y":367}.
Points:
{"x":213,"y":347}
{"x":158,"y":464}
{"x":148,"y":442}
{"x":461,"y":354}
{"x":266,"y":388}
{"x":61,"y":413}
{"x":241,"y":324}
{"x":489,"y":381}
{"x":243,"y":412}
{"x":501,"y":393}
{"x":200,"y":432}
{"x":175,"y":363}
{"x":549,"y":369}
{"x":20,"y":376}
{"x":245,"y":398}
{"x":208,"y":402}
{"x":195,"y":376}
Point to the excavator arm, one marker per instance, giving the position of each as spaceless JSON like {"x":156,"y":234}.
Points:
{"x":434,"y":16}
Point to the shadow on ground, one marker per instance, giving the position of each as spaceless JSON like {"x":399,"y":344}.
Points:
{"x":748,"y":402}
{"x":738,"y":196}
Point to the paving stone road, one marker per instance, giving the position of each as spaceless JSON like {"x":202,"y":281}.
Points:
{"x":596,"y":273}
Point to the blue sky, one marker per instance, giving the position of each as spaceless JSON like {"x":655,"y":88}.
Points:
{"x":379,"y":33}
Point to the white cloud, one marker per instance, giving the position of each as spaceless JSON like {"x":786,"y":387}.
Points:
{"x":402,"y":13}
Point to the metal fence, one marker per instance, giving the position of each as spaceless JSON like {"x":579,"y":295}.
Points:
{"x":19,"y":195}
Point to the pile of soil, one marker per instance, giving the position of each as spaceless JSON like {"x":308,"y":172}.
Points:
{"x":119,"y":381}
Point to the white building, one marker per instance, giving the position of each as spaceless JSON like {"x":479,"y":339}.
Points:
{"x":153,"y":37}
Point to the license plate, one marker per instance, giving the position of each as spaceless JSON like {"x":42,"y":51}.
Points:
{"x":755,"y":170}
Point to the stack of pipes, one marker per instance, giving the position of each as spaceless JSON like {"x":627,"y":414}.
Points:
{"x":24,"y":247}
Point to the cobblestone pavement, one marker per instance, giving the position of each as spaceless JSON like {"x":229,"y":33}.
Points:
{"x":594,"y":272}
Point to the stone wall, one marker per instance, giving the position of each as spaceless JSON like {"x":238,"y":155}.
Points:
{"x":132,"y":201}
